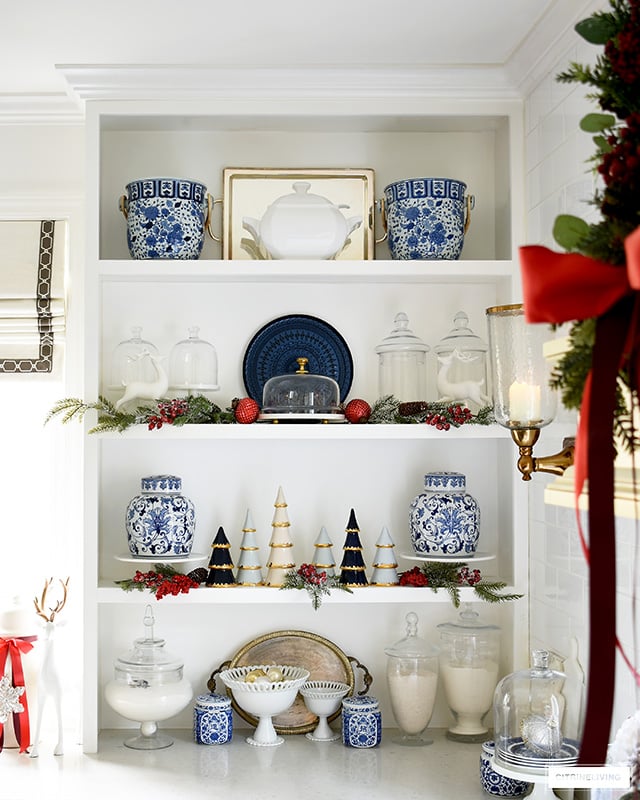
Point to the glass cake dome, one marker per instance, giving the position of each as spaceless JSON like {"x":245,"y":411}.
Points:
{"x":301,"y":397}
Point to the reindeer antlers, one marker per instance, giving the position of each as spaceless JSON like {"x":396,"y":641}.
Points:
{"x":39,"y":604}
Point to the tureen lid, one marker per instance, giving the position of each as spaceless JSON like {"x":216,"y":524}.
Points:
{"x":300,"y":198}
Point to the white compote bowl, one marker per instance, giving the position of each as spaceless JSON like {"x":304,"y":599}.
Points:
{"x":264,"y":699}
{"x":323,"y":699}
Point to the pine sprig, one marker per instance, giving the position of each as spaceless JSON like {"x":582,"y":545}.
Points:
{"x":315,"y":582}
{"x":452,"y":576}
{"x":388,"y":410}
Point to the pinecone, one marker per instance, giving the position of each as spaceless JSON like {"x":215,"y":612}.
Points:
{"x":409,"y":409}
{"x":199,"y":575}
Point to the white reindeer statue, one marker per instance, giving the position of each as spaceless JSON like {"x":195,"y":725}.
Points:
{"x":147,"y":390}
{"x":49,"y":685}
{"x":459,"y":390}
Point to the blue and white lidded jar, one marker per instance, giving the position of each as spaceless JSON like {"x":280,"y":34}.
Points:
{"x":444,"y":520}
{"x":160,"y":521}
{"x":496,"y":783}
{"x":361,"y":722}
{"x":212,"y":719}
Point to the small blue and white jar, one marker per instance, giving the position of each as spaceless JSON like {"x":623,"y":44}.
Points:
{"x":361,"y":722}
{"x":493,"y":782}
{"x":212,"y":719}
{"x":444,"y":520}
{"x":166,"y":217}
{"x":427,"y":218}
{"x":160,"y":521}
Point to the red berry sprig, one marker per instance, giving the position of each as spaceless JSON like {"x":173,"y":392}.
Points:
{"x":168,"y":411}
{"x":162,"y":582}
{"x":469,"y":577}
{"x":452,"y":415}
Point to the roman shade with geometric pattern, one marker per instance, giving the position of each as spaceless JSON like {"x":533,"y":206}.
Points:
{"x":32,"y":305}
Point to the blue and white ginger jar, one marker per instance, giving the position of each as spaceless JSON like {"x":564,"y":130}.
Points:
{"x":160,"y":521}
{"x":212,"y":719}
{"x":444,"y":520}
{"x":166,"y":217}
{"x":494,"y":782}
{"x":427,"y":218}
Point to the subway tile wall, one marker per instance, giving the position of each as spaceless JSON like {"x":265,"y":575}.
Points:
{"x":559,"y":180}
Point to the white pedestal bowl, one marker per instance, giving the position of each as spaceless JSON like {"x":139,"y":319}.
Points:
{"x":323,"y":699}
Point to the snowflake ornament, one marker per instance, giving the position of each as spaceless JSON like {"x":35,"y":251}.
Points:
{"x":9,"y":703}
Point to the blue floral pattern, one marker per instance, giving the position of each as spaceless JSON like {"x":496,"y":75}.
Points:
{"x":444,"y":520}
{"x":426,"y":218}
{"x":212,"y":720}
{"x":361,"y":722}
{"x":166,"y":218}
{"x":493,"y":782}
{"x":160,"y":521}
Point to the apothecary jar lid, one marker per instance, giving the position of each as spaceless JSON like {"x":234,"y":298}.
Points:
{"x":467,"y":623}
{"x":148,"y":663}
{"x":402,"y":338}
{"x":461,"y":338}
{"x":412,"y":645}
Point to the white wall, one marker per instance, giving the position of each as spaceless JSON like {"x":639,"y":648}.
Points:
{"x":558,"y":181}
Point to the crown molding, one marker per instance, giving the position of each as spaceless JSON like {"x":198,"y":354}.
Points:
{"x":547,"y":43}
{"x":209,"y":82}
{"x":40,"y":109}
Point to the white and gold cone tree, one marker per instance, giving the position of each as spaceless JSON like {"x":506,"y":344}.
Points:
{"x":323,"y":559}
{"x":249,"y":567}
{"x":281,"y":554}
{"x":385,"y":566}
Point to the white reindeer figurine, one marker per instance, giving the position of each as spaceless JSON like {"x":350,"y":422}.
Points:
{"x":49,"y":685}
{"x":147,"y":390}
{"x":459,"y":390}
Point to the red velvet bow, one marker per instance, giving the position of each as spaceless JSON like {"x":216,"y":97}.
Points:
{"x":564,"y":287}
{"x":13,"y":648}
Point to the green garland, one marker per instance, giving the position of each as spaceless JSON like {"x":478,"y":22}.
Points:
{"x":452,"y":577}
{"x":615,"y":81}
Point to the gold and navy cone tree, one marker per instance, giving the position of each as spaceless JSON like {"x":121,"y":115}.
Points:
{"x":220,"y":563}
{"x":352,"y":568}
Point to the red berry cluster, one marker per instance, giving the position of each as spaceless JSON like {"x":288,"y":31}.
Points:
{"x":453,"y":415}
{"x":163,"y":585}
{"x":620,"y":170}
{"x":168,"y":410}
{"x":414,"y":577}
{"x":469,"y":577}
{"x":310,"y":574}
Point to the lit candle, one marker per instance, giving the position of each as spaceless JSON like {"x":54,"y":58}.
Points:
{"x":524,"y":402}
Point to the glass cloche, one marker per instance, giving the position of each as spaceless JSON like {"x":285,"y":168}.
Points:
{"x":462,"y":366}
{"x":528,"y":711}
{"x":148,"y":687}
{"x":130,"y":362}
{"x":301,"y":397}
{"x":469,"y":660}
{"x":412,"y":679}
{"x":193,"y":365}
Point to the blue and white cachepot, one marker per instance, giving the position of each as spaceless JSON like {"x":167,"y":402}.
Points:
{"x":427,"y":218}
{"x":212,"y":719}
{"x":361,"y":721}
{"x":444,"y":520}
{"x":160,"y":521}
{"x":166,"y":217}
{"x":493,"y":782}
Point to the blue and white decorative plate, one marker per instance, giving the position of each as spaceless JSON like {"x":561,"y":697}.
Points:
{"x":276,"y":346}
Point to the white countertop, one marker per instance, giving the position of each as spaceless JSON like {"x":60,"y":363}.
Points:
{"x":298,"y":768}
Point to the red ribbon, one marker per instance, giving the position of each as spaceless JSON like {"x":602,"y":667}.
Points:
{"x":564,"y":287}
{"x":13,"y":648}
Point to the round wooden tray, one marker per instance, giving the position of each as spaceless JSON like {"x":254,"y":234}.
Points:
{"x":324,"y":660}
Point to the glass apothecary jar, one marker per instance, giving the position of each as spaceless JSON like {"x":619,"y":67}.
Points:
{"x":469,"y":661}
{"x":528,"y":711}
{"x":412,"y":679}
{"x":148,"y":687}
{"x":402,"y":358}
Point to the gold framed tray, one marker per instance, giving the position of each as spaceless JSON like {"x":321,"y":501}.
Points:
{"x":324,"y":660}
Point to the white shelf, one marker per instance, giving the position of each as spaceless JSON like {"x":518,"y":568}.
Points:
{"x":267,"y":595}
{"x":338,"y":272}
{"x":272,"y":432}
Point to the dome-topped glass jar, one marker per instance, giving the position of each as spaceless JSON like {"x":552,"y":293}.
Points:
{"x":130,"y":361}
{"x":149,"y":686}
{"x":402,"y":363}
{"x":301,"y":397}
{"x":193,"y":365}
{"x":528,"y":711}
{"x":462,"y":366}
